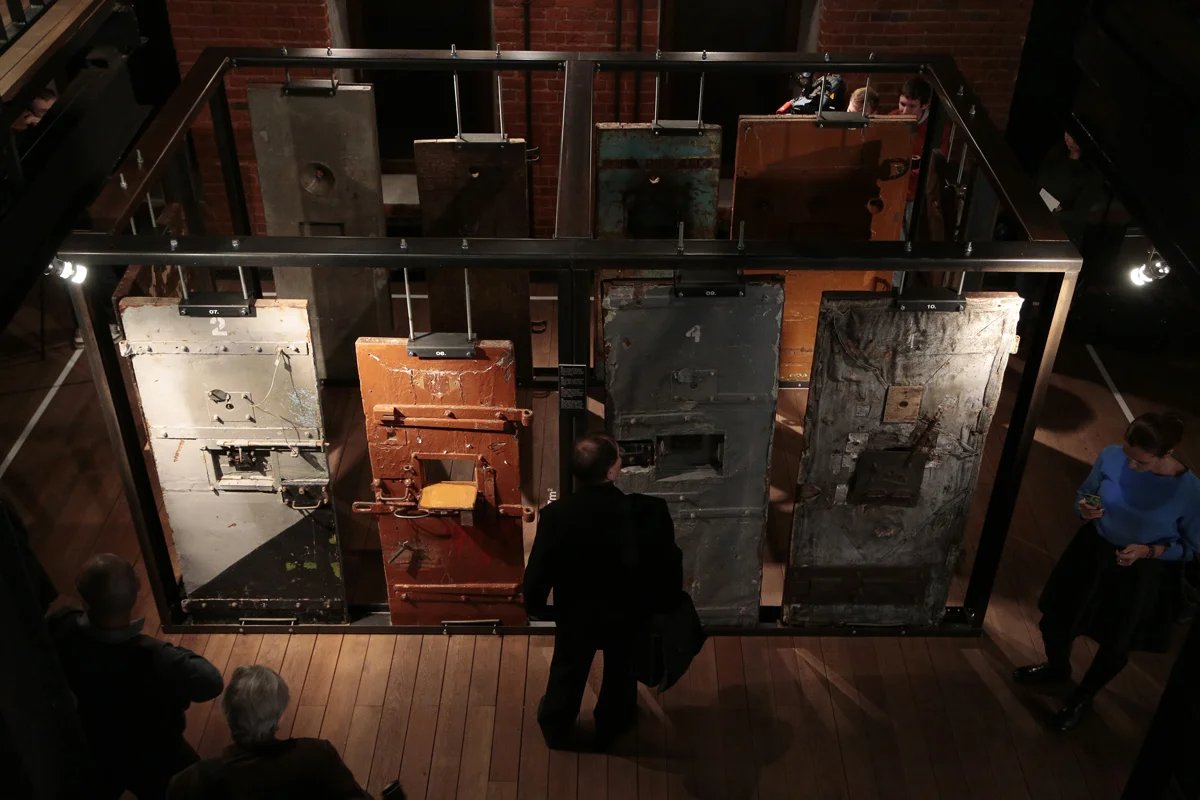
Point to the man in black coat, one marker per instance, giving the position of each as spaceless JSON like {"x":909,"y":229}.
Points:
{"x":132,"y":690}
{"x":259,"y":766}
{"x":611,"y":560}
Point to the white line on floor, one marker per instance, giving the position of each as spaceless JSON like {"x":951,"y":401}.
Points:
{"x":41,"y":409}
{"x":1112,"y":387}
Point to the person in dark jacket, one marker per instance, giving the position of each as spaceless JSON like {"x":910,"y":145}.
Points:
{"x":611,"y":561}
{"x":131,"y":689}
{"x":258,"y":766}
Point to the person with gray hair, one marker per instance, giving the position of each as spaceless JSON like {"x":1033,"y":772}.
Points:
{"x":132,"y":690}
{"x":258,"y":765}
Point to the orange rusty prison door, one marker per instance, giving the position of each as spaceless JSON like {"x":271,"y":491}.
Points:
{"x":446,"y":466}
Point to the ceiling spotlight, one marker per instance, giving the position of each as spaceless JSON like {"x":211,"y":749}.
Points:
{"x":1155,"y":269}
{"x":75,"y":273}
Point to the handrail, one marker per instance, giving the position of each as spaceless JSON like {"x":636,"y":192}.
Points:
{"x":17,"y":17}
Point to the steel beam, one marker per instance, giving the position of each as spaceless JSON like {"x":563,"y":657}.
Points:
{"x":573,"y":220}
{"x":558,"y":254}
{"x":1022,"y":426}
{"x":117,"y":412}
{"x":375,"y":623}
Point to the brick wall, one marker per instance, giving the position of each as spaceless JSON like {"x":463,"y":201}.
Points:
{"x":985,"y":38}
{"x":568,"y":25}
{"x":197,"y":24}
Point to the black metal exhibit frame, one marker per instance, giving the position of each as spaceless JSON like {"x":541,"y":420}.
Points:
{"x":160,"y":159}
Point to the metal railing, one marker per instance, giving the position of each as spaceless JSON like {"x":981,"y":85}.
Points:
{"x":17,"y":17}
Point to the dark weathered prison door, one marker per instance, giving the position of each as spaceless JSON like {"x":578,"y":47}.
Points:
{"x":897,"y":419}
{"x":472,"y":190}
{"x":646,"y":184}
{"x":691,"y":398}
{"x":444,"y":442}
{"x":233,"y":417}
{"x":318,"y":169}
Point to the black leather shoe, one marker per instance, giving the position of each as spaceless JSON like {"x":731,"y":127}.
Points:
{"x":1040,"y":674}
{"x":1070,"y":715}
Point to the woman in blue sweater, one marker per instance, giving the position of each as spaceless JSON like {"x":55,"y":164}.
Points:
{"x":1141,"y":508}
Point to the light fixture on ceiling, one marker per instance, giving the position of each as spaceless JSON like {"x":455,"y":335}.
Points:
{"x":75,"y":273}
{"x":1155,"y":269}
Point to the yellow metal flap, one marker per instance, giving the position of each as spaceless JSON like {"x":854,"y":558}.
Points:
{"x":449,"y":496}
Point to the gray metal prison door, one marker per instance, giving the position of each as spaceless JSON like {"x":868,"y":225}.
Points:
{"x":691,"y":397}
{"x":898,"y":415}
{"x":318,"y":170}
{"x":234,"y":421}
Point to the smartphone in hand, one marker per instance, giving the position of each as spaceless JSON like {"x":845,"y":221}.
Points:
{"x":1093,"y":500}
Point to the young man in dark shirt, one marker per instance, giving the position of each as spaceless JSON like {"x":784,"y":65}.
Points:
{"x":131,"y":689}
{"x":612,"y":561}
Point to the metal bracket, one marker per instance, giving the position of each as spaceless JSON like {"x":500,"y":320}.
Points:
{"x":216,"y":304}
{"x":930,"y":299}
{"x":441,"y":345}
{"x":841,"y":119}
{"x":709,"y":283}
{"x":677,"y":127}
{"x":310,"y":87}
{"x":235,"y":348}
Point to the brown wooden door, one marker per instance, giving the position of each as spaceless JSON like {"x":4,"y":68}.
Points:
{"x":444,"y":442}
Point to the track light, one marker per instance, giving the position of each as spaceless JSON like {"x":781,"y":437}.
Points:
{"x":1154,"y":269}
{"x":75,"y":273}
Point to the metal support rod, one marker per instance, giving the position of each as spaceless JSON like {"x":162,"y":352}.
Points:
{"x":242,"y":279}
{"x":179,"y":188}
{"x":574,"y":220}
{"x":933,"y":128}
{"x":408,"y":305}
{"x":500,"y":103}
{"x":1035,"y":377}
{"x":16,"y":10}
{"x":953,"y":133}
{"x":150,"y":210}
{"x":700,"y":104}
{"x":960,"y":195}
{"x":183,"y":290}
{"x":657,"y":81}
{"x":467,"y":295}
{"x":231,"y":170}
{"x":117,"y":412}
{"x":457,"y":107}
{"x":866,"y":96}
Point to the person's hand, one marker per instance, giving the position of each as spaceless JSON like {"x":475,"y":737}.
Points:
{"x":1089,"y":511}
{"x":1132,"y":552}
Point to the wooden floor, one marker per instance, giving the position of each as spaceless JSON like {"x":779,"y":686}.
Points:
{"x":757,"y":717}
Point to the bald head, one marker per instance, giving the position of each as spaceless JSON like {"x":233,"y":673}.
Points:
{"x":109,"y":588}
{"x":593,"y":459}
